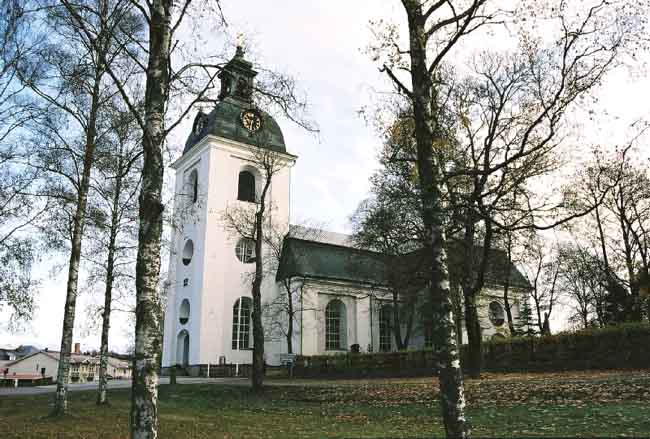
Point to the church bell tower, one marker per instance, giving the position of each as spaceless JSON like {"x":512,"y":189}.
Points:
{"x":208,"y":311}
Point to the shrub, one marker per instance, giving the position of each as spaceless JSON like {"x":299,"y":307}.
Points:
{"x":617,"y":347}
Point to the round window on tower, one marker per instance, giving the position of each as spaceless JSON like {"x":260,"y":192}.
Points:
{"x":188,"y":252}
{"x":496,"y":314}
{"x":245,"y":250}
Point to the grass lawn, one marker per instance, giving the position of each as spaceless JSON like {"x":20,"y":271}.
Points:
{"x":579,"y":404}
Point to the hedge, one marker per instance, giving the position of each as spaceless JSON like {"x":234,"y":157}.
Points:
{"x":385,"y":364}
{"x":625,"y":346}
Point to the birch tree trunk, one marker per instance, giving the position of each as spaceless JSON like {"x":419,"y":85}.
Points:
{"x":63,"y":372}
{"x":108,"y":294}
{"x":148,"y":338}
{"x":430,"y":181}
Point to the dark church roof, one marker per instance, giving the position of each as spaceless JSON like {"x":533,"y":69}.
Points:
{"x":323,"y":260}
{"x":224,"y":121}
{"x":329,"y":261}
{"x":236,"y":95}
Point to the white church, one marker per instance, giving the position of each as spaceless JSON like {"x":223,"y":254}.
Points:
{"x":343,"y":302}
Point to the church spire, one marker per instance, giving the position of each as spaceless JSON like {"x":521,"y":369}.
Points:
{"x":237,"y":77}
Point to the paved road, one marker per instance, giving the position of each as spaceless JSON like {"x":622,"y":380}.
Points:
{"x":115,"y":384}
{"x":125,"y":384}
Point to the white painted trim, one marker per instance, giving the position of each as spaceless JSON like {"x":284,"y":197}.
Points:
{"x":224,"y":144}
{"x":349,"y":285}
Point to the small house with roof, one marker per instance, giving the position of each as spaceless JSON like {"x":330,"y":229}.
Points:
{"x":44,"y":364}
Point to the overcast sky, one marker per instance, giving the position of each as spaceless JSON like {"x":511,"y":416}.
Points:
{"x":321,"y":43}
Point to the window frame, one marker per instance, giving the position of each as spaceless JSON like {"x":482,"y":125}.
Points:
{"x":188,"y":247}
{"x":184,"y":310}
{"x":247,"y":186}
{"x":242,"y":324}
{"x":385,"y":328}
{"x":335,"y":326}
{"x":497,"y":321}
{"x":194,"y":185}
{"x":245,"y":250}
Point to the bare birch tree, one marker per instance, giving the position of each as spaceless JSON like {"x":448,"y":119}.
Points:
{"x":19,"y":213}
{"x":113,"y":203}
{"x":68,"y":77}
{"x":167,"y":80}
{"x":589,"y":43}
{"x":434,"y":28}
{"x":153,"y":55}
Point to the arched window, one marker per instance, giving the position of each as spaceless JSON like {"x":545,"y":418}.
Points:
{"x":335,"y":327}
{"x":385,"y":328}
{"x":241,"y":323}
{"x":188,"y":252}
{"x":184,"y":312}
{"x":246,"y":187}
{"x":496,"y":314}
{"x":245,"y":250}
{"x":193,"y":186}
{"x":183,"y":348}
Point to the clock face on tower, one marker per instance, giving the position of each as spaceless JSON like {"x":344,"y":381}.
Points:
{"x":251,"y":120}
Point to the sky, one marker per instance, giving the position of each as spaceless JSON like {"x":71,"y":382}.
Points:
{"x":321,"y":44}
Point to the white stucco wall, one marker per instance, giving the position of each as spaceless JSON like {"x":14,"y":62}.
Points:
{"x":357,"y":300}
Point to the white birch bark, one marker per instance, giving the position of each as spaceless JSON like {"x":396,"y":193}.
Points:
{"x":63,"y":372}
{"x":148,"y":337}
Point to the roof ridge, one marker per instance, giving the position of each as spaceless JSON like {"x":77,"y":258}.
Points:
{"x":331,"y":244}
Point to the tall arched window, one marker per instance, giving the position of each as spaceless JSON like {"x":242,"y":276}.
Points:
{"x":335,"y":327}
{"x":385,"y":328}
{"x":193,"y":184}
{"x":241,"y":323}
{"x":246,"y":187}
